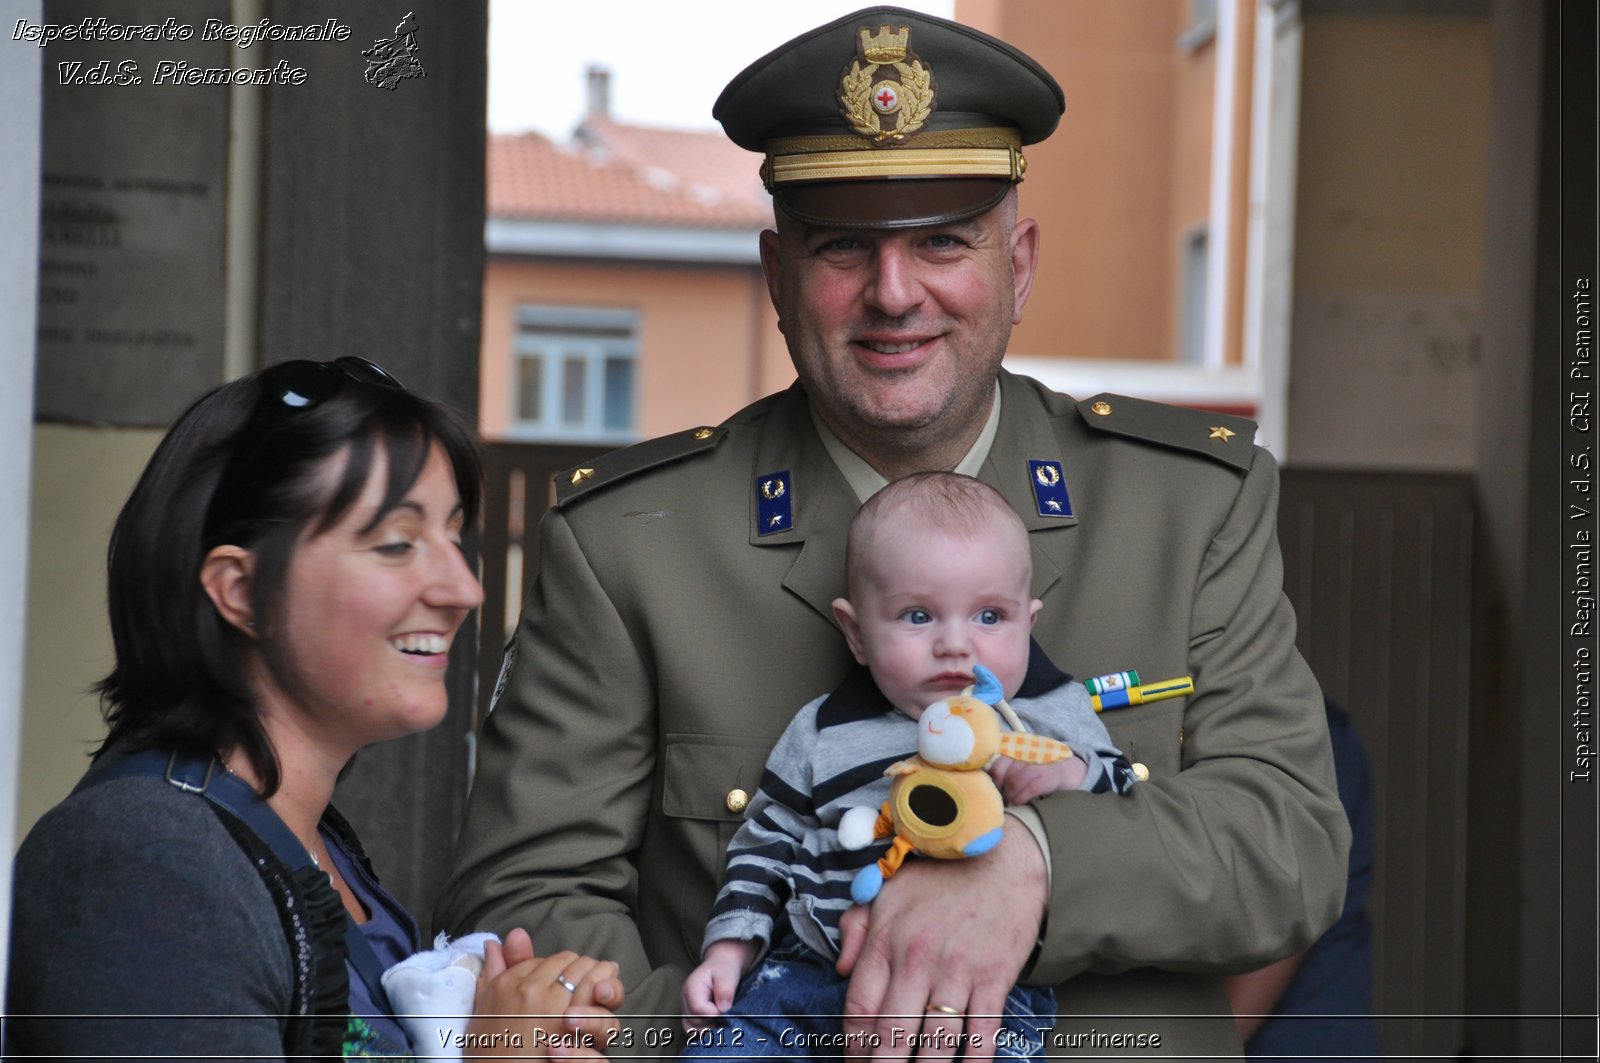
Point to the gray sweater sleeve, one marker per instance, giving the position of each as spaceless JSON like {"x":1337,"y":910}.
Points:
{"x":137,"y":917}
{"x":1067,"y":713}
{"x":756,"y":882}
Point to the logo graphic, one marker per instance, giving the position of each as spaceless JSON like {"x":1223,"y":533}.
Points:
{"x":392,"y":60}
{"x":907,"y":97}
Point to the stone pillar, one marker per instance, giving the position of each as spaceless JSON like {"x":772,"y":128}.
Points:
{"x":372,"y":244}
{"x":19,"y":278}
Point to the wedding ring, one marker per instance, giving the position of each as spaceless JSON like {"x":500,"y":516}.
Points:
{"x":561,"y":980}
{"x":946,"y":1010}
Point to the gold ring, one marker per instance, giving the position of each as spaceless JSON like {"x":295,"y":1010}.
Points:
{"x":945,"y":1009}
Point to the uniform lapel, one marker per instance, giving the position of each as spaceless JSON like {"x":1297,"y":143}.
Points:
{"x":1026,"y":433}
{"x":821,"y":503}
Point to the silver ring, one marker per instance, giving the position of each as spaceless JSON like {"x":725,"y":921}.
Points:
{"x":561,"y":980}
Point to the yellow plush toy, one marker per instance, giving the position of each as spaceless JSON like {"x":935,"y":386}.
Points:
{"x":942,"y":802}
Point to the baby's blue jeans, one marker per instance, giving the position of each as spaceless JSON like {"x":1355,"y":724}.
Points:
{"x":792,"y":1005}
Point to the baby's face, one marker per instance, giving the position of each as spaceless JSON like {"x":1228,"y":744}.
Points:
{"x":931,"y":605}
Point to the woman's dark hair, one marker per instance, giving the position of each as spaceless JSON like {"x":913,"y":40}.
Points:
{"x":245,"y":466}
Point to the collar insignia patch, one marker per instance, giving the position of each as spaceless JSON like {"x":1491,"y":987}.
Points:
{"x":1049,"y":488}
{"x":774,"y":502}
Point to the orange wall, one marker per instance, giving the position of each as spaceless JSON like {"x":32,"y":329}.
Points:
{"x":1127,"y":177}
{"x":708,"y":340}
{"x":1101,"y":187}
{"x":1239,"y":193}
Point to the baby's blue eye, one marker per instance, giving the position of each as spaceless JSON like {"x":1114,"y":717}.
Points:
{"x":988,"y":616}
{"x":917,"y":616}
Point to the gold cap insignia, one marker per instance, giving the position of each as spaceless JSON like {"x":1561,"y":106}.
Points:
{"x":904,"y":94}
{"x":702,"y":433}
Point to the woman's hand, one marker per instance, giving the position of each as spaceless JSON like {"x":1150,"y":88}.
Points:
{"x":524,"y":1005}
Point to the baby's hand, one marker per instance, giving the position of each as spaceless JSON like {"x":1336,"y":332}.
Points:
{"x":708,"y":992}
{"x":1020,"y":783}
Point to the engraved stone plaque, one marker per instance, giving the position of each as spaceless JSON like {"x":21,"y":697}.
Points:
{"x":131,"y":279}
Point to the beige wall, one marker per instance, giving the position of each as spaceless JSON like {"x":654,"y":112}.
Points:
{"x":82,"y":476}
{"x":708,"y":340}
{"x":1389,"y":261}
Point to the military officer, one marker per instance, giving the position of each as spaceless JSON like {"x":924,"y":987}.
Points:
{"x":681,"y":608}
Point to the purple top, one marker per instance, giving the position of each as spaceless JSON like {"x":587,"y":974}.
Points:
{"x":392,"y":933}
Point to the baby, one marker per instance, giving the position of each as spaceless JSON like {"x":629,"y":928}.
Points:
{"x":938,"y":572}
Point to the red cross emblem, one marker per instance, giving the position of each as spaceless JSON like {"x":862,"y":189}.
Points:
{"x":886,"y":98}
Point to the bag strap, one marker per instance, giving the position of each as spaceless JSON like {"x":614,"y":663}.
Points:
{"x":205,"y":778}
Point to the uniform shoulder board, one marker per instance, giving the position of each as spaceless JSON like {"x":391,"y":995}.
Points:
{"x":1222,"y":436}
{"x":620,"y":464}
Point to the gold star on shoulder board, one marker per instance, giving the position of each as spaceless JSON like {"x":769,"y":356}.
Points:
{"x":1221,"y":432}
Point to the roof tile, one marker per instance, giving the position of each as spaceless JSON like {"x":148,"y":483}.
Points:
{"x":627,"y":174}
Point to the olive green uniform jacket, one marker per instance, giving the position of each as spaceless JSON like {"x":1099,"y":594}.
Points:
{"x":667,"y":642}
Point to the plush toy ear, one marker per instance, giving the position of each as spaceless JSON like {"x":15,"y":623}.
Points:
{"x":989,"y":691}
{"x":1032,"y":748}
{"x":988,"y":688}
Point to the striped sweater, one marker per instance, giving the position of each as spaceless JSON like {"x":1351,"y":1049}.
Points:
{"x":785,"y":862}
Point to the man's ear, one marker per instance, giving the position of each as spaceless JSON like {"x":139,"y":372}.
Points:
{"x":1024,"y":259}
{"x":845,"y":613}
{"x":226,"y":575}
{"x":772,"y":269}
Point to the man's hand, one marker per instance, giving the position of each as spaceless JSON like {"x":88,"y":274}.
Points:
{"x":945,"y":940}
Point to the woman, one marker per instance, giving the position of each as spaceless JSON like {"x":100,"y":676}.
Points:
{"x":285,"y":583}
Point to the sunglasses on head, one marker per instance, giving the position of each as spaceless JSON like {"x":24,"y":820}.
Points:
{"x":302,"y":383}
{"x":285,"y":389}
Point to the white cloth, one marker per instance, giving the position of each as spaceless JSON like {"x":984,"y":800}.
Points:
{"x":432,"y":993}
